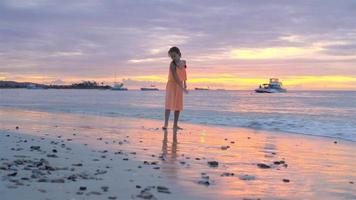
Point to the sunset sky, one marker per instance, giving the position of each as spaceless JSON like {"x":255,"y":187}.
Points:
{"x":308,"y":44}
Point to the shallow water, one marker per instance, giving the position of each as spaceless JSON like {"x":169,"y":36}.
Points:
{"x":324,"y":113}
{"x":317,"y":168}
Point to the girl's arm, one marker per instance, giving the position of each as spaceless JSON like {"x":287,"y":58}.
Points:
{"x":175,"y":76}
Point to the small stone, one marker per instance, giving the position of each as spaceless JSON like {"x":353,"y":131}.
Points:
{"x":351,"y":182}
{"x":58,"y":180}
{"x":227,"y":174}
{"x":42,"y":190}
{"x":112,"y":197}
{"x":335,"y":142}
{"x":286,"y":180}
{"x":54,"y":150}
{"x":82,"y":188}
{"x":105,"y":188}
{"x":247,"y":177}
{"x":138,"y":186}
{"x":263,"y":166}
{"x":145,"y":195}
{"x":35,"y":147}
{"x":163,"y":189}
{"x":213,"y":163}
{"x":204,"y":182}
{"x":224,"y":147}
{"x":12,"y":174}
{"x":94,"y":192}
{"x":77,"y":165}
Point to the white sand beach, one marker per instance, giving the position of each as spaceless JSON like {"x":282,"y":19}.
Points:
{"x":67,"y":156}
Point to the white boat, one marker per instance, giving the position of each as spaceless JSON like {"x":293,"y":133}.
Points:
{"x":34,"y":87}
{"x":274,"y":86}
{"x":151,"y":88}
{"x":200,"y":88}
{"x":119,"y":86}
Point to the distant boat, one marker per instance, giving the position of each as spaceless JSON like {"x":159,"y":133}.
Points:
{"x":119,"y":86}
{"x":197,"y":88}
{"x":274,"y":86}
{"x":151,"y":88}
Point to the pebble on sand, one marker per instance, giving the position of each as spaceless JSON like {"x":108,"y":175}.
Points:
{"x":82,"y":188}
{"x":247,"y":177}
{"x":213,"y":163}
{"x":163,"y":189}
{"x":263,"y":166}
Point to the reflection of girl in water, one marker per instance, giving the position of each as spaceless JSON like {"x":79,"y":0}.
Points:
{"x":173,"y":153}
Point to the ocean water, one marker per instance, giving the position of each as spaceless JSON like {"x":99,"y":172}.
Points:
{"x":321,"y":113}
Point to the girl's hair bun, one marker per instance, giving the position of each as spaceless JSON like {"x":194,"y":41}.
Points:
{"x":175,"y":49}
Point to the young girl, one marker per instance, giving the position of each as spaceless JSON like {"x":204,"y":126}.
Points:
{"x":176,"y":85}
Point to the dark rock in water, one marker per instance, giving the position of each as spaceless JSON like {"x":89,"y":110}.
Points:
{"x":94,"y":192}
{"x":351,"y":182}
{"x":35,"y":148}
{"x":224,"y":147}
{"x":52,"y":156}
{"x":12,"y":174}
{"x":247,"y":177}
{"x":58,"y":180}
{"x":42,"y":190}
{"x":227,"y":174}
{"x":77,"y":165}
{"x":213,"y":163}
{"x":105,"y":188}
{"x":335,"y":142}
{"x":286,"y":180}
{"x":72,"y":177}
{"x":163,"y":189}
{"x":278,"y":162}
{"x":204,"y":182}
{"x":263,"y":166}
{"x":54,"y":150}
{"x":145,"y":195}
{"x":126,"y":159}
{"x":17,"y":127}
{"x":112,"y":197}
{"x":156,"y":167}
{"x":42,"y":180}
{"x":138,"y":186}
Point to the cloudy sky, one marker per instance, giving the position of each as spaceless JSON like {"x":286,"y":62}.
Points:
{"x":309,"y":44}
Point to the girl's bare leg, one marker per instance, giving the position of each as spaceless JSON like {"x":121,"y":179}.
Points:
{"x":166,"y":118}
{"x":176,"y":117}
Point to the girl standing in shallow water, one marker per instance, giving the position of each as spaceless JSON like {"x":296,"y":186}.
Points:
{"x":176,"y":85}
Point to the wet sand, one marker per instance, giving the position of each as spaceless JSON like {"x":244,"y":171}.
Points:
{"x":67,"y":156}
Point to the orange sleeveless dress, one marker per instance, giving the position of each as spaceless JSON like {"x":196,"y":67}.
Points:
{"x":174,"y":93}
